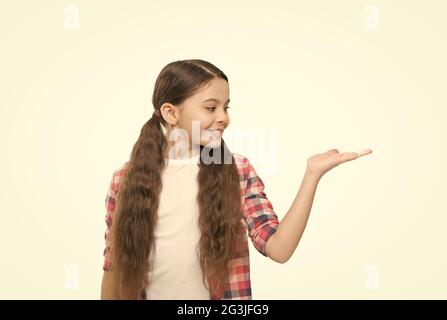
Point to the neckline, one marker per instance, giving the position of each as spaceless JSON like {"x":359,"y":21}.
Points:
{"x":183,"y":161}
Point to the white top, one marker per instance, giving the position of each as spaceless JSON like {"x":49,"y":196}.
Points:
{"x":176,"y":272}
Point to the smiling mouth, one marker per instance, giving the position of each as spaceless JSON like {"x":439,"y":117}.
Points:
{"x":216,"y":130}
{"x":215,"y":133}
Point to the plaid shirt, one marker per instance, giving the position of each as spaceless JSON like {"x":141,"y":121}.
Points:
{"x":260,"y":222}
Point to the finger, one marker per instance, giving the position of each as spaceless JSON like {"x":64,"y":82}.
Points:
{"x":364,"y":152}
{"x":348,"y":156}
{"x":333,"y":151}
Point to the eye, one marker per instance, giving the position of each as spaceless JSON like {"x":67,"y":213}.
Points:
{"x":212,"y":108}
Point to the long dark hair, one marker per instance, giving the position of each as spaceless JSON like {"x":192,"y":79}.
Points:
{"x":137,"y":200}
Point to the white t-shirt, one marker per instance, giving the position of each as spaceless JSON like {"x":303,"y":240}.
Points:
{"x":176,"y":272}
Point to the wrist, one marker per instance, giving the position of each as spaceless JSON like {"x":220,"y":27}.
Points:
{"x":312,"y":174}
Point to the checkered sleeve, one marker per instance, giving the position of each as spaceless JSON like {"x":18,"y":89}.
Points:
{"x":110,"y":207}
{"x":259,"y":216}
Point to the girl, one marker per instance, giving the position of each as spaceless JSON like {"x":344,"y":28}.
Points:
{"x":183,"y":206}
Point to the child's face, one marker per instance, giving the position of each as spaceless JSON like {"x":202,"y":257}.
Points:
{"x":210,"y":116}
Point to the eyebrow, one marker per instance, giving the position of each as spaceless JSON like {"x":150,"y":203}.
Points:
{"x":215,"y":100}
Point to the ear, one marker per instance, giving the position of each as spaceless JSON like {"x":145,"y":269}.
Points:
{"x":169,"y":112}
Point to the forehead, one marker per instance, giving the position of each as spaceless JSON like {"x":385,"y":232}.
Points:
{"x":215,"y":89}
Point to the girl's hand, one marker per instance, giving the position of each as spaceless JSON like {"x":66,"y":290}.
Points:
{"x":321,"y":163}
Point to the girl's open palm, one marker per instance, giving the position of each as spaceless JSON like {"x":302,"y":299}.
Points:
{"x":321,"y":163}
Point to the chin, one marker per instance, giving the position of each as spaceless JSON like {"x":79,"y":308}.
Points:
{"x":213,"y":144}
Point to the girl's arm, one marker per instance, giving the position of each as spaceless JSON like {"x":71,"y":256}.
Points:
{"x":281,"y":245}
{"x":284,"y":241}
{"x":106,"y":286}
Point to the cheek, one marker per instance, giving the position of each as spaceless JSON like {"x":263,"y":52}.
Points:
{"x":190,"y":125}
{"x":198,"y":124}
{"x":197,"y":130}
{"x":204,"y":123}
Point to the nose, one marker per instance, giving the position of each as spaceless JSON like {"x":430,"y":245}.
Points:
{"x":222,"y":118}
